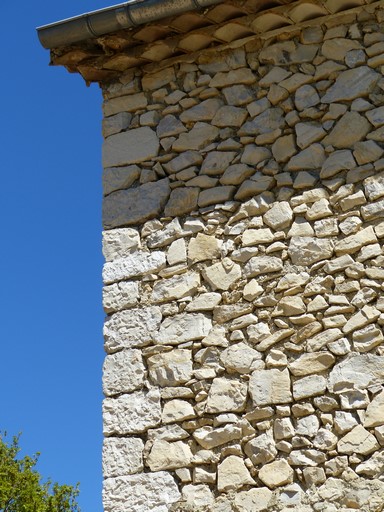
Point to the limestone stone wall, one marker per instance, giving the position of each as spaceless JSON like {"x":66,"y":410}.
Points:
{"x":244,"y":229}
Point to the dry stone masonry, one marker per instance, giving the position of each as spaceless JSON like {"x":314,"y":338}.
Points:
{"x":244,"y":274}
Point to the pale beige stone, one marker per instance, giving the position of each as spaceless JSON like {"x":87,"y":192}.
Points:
{"x":122,"y":456}
{"x":209,"y":437}
{"x":222,"y":275}
{"x":305,"y":250}
{"x":123,"y":372}
{"x":375,"y":412}
{"x":140,"y":493}
{"x":226,"y":395}
{"x":197,"y":496}
{"x":262,"y":448}
{"x":203,"y":247}
{"x":232,"y":474}
{"x":270,"y":387}
{"x":365,"y":316}
{"x":276,"y":474}
{"x":254,"y":500}
{"x":176,"y":287}
{"x":131,"y":328}
{"x":132,"y":414}
{"x":289,"y":306}
{"x":279,"y":216}
{"x":183,"y":327}
{"x":262,"y":265}
{"x":256,"y":236}
{"x":359,"y":441}
{"x":120,"y":295}
{"x":177,"y":410}
{"x":353,"y":243}
{"x":166,"y":456}
{"x":308,"y":364}
{"x":241,"y":358}
{"x":171,"y":368}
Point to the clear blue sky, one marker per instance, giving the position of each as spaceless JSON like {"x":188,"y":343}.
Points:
{"x":50,"y":295}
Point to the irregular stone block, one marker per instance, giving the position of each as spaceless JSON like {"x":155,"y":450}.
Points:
{"x":133,"y":265}
{"x":204,"y":111}
{"x":120,"y":242}
{"x":226,"y":395}
{"x":375,"y":412}
{"x":279,"y":216}
{"x":131,"y":147}
{"x":241,"y":358}
{"x":262,"y":265}
{"x":140,"y":493}
{"x":119,"y":178}
{"x":128,"y":103}
{"x":133,"y":413}
{"x":353,"y":243}
{"x":312,"y":157}
{"x":268,"y":387}
{"x":351,"y":84}
{"x":306,"y":387}
{"x":351,"y":128}
{"x":222,"y":275}
{"x":123,"y":372}
{"x":358,"y":440}
{"x":254,"y":500}
{"x":131,"y":328}
{"x":176,"y":287}
{"x":165,"y":455}
{"x":200,"y":136}
{"x":216,"y":195}
{"x":171,"y":368}
{"x":119,"y":296}
{"x":216,"y":162}
{"x":337,"y":161}
{"x":170,"y":126}
{"x":308,"y":364}
{"x":122,"y":456}
{"x":197,"y":497}
{"x":136,"y":205}
{"x":276,"y":474}
{"x":209,"y":437}
{"x":183,"y":327}
{"x":232,"y":474}
{"x":356,"y":372}
{"x":305,"y":250}
{"x":181,"y":201}
{"x":177,"y":410}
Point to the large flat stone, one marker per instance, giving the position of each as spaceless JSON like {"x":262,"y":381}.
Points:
{"x":131,"y":328}
{"x":133,"y":413}
{"x":270,"y":387}
{"x":136,"y":205}
{"x":146,"y":492}
{"x":351,"y":84}
{"x":122,"y":456}
{"x":131,"y":147}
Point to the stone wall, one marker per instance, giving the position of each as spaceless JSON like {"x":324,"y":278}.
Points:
{"x":244,"y":225}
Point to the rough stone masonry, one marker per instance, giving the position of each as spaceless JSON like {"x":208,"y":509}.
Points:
{"x":244,"y":274}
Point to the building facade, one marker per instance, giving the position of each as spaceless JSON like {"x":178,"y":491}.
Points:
{"x":243,"y":218}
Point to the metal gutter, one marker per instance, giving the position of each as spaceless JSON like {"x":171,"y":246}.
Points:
{"x":111,"y":19}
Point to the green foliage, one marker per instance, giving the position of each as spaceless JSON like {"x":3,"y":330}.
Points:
{"x":21,"y":489}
